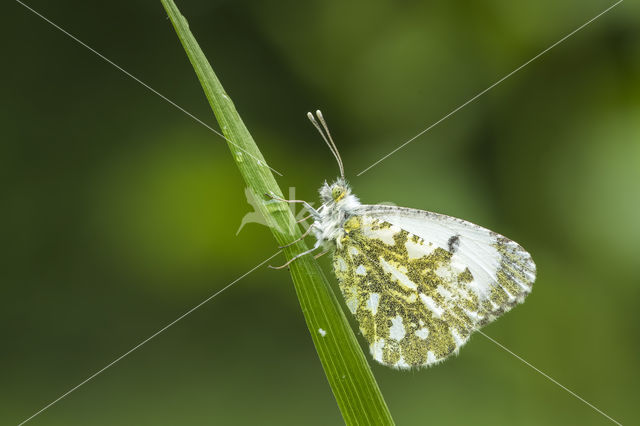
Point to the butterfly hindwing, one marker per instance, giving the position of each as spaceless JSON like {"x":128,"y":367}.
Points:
{"x":420,"y":283}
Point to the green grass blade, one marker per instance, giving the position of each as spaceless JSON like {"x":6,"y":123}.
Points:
{"x":344,"y":363}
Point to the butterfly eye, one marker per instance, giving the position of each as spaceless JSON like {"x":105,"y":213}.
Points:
{"x":337,"y":193}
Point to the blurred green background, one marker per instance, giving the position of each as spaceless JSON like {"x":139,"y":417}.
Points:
{"x":119,"y":213}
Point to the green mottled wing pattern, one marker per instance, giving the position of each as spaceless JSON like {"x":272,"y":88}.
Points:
{"x":418,"y":299}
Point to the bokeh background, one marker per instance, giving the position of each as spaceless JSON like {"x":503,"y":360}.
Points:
{"x":119,"y":212}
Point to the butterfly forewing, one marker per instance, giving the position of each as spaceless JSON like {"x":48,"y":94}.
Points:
{"x":419,"y":283}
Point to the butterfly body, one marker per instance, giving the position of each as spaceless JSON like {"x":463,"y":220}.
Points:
{"x":339,"y":204}
{"x":419,"y":283}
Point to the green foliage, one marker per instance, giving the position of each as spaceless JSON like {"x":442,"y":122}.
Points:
{"x":346,"y":368}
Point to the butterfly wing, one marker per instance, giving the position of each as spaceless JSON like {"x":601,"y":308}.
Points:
{"x":420,"y":283}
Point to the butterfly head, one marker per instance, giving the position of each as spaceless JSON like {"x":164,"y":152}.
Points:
{"x":337,"y":193}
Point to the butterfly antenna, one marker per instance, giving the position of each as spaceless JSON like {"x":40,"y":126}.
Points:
{"x":328,"y":139}
{"x":335,"y":148}
{"x":317,"y":126}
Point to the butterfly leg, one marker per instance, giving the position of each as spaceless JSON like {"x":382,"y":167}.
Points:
{"x":298,"y":239}
{"x":318,"y":256}
{"x":314,"y":248}
{"x":304,"y":218}
{"x":314,"y":212}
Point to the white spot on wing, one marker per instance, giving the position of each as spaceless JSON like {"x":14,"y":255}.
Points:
{"x":353,"y":251}
{"x":352,"y":304}
{"x":341,"y":265}
{"x":402,"y":363}
{"x":372,"y":303}
{"x":397,"y":331}
{"x":447,"y":273}
{"x":431,"y":305}
{"x":398,"y":275}
{"x":360,"y":270}
{"x":376,"y":349}
{"x":385,"y":235}
{"x":416,"y":251}
{"x":457,"y":338}
{"x":473,"y":315}
{"x":431,"y":358}
{"x":422,"y":333}
{"x":444,"y":292}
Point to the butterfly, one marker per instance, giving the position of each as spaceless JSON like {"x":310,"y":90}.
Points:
{"x":419,"y":283}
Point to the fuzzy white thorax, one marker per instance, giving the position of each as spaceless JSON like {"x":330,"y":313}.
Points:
{"x":338,"y":205}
